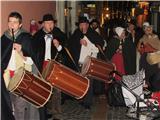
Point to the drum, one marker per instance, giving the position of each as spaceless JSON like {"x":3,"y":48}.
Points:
{"x":30,"y":87}
{"x":97,"y":69}
{"x":66,"y":79}
{"x":153,"y":58}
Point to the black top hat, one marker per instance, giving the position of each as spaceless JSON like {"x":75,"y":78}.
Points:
{"x":47,"y":17}
{"x":82,"y":19}
{"x":95,"y":20}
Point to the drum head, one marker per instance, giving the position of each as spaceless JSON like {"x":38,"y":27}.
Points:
{"x":16,"y":79}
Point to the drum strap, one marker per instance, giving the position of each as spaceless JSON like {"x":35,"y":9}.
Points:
{"x":69,"y":54}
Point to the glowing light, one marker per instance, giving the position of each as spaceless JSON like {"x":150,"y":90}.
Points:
{"x":133,"y":12}
{"x":107,"y":8}
{"x":107,"y":15}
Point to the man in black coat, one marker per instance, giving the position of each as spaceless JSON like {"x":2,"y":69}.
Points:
{"x":48,"y":35}
{"x":48,"y":45}
{"x":14,"y":41}
{"x":78,"y":38}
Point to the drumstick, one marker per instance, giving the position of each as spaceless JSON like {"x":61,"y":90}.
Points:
{"x":13,"y":35}
{"x":72,"y":59}
{"x":56,"y":56}
{"x":100,"y":49}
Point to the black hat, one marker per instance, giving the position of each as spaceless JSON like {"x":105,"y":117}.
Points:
{"x":47,"y":17}
{"x":82,"y":19}
{"x":95,"y":20}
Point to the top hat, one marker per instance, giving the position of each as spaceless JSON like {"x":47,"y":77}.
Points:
{"x":47,"y":17}
{"x":82,"y":19}
{"x":95,"y":20}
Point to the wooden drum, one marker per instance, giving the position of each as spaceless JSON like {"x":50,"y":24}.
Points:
{"x":66,"y":79}
{"x":97,"y":69}
{"x":30,"y":87}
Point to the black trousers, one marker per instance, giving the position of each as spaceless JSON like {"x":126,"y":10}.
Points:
{"x":6,"y":107}
{"x":98,"y":87}
{"x":43,"y":113}
{"x":88,"y":98}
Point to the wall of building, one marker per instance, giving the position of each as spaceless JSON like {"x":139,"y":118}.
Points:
{"x":28,"y":9}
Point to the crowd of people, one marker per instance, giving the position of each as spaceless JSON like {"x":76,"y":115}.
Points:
{"x":126,"y":47}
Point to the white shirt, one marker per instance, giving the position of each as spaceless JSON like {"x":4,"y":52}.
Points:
{"x":12,"y":62}
{"x":48,"y":39}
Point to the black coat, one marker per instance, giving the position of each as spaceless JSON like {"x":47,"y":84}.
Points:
{"x":111,"y":48}
{"x":6,"y":49}
{"x":39,"y":45}
{"x":128,"y":51}
{"x":74,"y":42}
{"x":24,"y":39}
{"x":139,"y":34}
{"x":6,"y":107}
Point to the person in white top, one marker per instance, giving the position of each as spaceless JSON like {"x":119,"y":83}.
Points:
{"x":48,"y":44}
{"x":82,"y":43}
{"x":84,"y":38}
{"x":16,"y":52}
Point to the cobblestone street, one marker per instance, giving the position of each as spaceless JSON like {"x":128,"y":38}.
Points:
{"x":72,"y":110}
